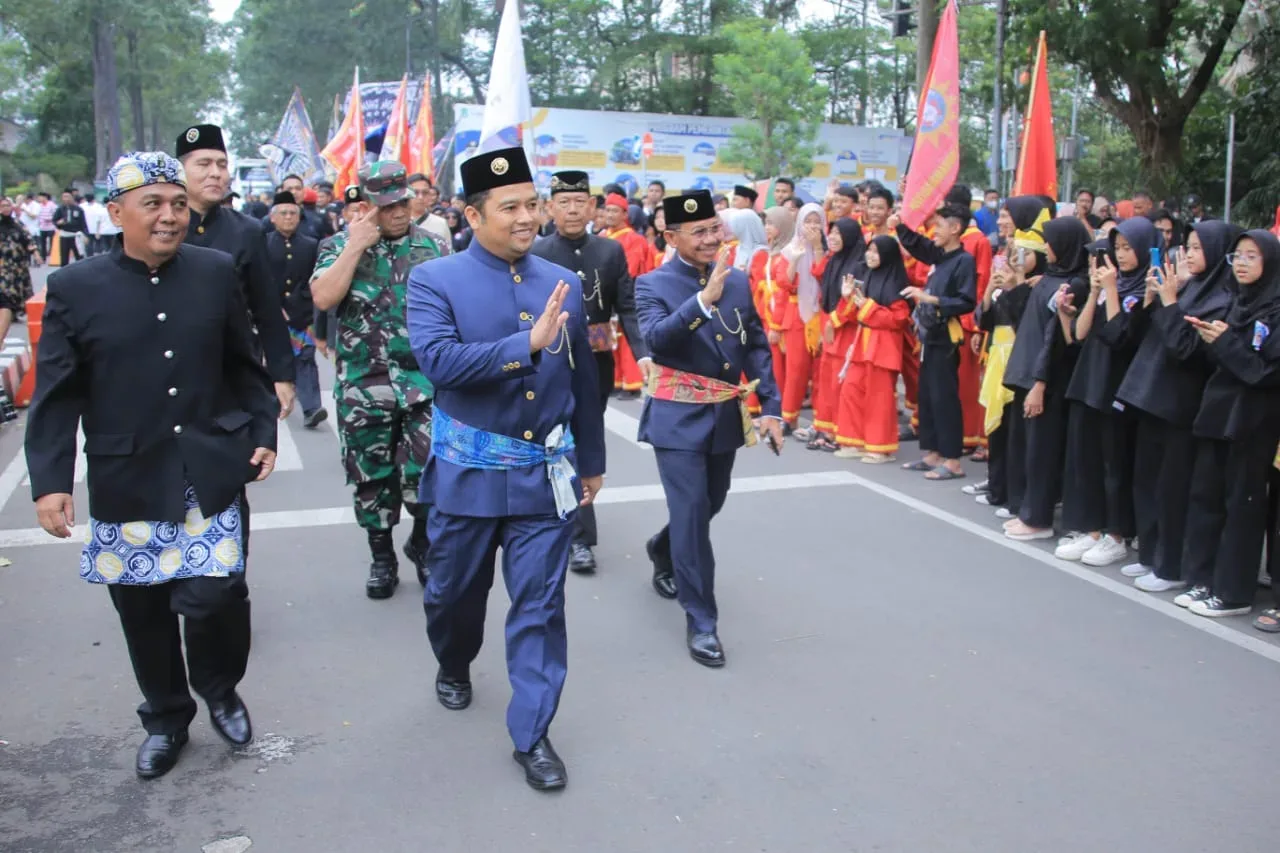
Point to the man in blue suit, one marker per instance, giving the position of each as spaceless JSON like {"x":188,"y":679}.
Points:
{"x":703,"y":334}
{"x":517,"y":446}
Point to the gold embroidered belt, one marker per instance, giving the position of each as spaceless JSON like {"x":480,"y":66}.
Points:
{"x":679,"y":386}
{"x":601,"y":337}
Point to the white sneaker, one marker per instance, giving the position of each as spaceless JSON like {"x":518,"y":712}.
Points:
{"x":1152,"y":583}
{"x":976,"y":488}
{"x":983,"y":498}
{"x":1136,"y":570}
{"x":1005,"y":513}
{"x":1070,"y":537}
{"x":1191,"y":596}
{"x":1075,"y":547}
{"x":1216,"y":608}
{"x":1105,"y":552}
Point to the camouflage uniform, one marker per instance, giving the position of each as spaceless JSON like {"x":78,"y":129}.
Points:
{"x":383,"y":400}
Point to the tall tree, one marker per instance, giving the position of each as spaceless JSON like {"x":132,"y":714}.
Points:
{"x":1149,"y":62}
{"x":769,"y":79}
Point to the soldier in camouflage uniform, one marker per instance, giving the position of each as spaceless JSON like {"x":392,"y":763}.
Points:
{"x":383,"y":400}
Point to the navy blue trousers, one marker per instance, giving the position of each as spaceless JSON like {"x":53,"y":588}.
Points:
{"x":535,"y":555}
{"x":695,"y":485}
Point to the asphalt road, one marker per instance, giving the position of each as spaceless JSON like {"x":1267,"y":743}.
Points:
{"x":900,"y":678}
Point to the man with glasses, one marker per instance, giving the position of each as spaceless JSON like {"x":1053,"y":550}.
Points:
{"x":703,"y":334}
{"x":384,"y":401}
{"x":607,"y":289}
{"x":421,"y":204}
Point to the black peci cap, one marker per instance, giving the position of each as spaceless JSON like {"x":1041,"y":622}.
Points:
{"x":570,"y":182}
{"x":200,"y":137}
{"x":694,"y":206}
{"x":746,"y":192}
{"x":493,"y":169}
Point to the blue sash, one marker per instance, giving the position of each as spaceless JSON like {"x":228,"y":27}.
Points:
{"x":470,"y":447}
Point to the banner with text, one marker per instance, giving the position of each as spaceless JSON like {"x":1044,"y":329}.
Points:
{"x":608,"y":146}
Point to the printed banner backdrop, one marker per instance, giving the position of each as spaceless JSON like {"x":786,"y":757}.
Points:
{"x":606,"y":145}
{"x":378,"y":98}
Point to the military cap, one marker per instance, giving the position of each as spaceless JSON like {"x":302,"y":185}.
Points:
{"x":492,"y":169}
{"x":570,"y":182}
{"x":142,"y":169}
{"x":200,"y":137}
{"x":746,"y":192}
{"x":384,"y":182}
{"x":693,"y":206}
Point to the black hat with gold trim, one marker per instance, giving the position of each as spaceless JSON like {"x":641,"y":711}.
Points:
{"x":570,"y":182}
{"x":695,"y":206}
{"x":199,"y":137}
{"x":493,"y":169}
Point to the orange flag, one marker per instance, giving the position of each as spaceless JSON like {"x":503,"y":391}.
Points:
{"x":422,"y":141}
{"x":935,"y":159}
{"x":345,"y":152}
{"x":1038,"y":161}
{"x":395,"y":145}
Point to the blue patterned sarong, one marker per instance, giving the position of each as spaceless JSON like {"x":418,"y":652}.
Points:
{"x":141,"y":553}
{"x":469,"y":447}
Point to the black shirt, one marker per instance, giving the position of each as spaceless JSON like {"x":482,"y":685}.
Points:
{"x":241,"y":237}
{"x":607,"y":287}
{"x":292,"y":260}
{"x":954,"y":281}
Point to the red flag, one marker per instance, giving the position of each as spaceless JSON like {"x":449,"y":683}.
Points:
{"x":395,"y":145}
{"x":935,"y":161}
{"x":345,"y":152}
{"x":422,"y":142}
{"x":1038,"y":161}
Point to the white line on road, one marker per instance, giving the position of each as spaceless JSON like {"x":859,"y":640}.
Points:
{"x":1124,"y":590}
{"x":287,"y":456}
{"x":624,"y":426}
{"x":334,"y":516}
{"x":13,"y":476}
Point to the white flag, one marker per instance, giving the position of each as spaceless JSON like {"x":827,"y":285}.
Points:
{"x":507,"y":104}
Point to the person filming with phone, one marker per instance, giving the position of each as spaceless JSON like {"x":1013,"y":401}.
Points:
{"x":703,"y":334}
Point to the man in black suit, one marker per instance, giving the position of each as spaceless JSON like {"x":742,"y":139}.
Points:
{"x":149,"y":348}
{"x":291,"y":255}
{"x":204,"y":157}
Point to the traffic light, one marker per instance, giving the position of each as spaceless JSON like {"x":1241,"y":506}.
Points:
{"x":902,"y":23}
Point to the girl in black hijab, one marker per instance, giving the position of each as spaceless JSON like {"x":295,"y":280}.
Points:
{"x":1040,"y":367}
{"x":867,"y":419}
{"x":845,"y":257}
{"x":1014,"y":271}
{"x":1237,"y":430}
{"x":1164,"y":384}
{"x":1098,"y":476}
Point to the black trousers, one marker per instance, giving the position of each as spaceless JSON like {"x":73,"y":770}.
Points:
{"x":216,"y":630}
{"x":998,"y":461}
{"x":1097,"y":493}
{"x":1037,"y":484}
{"x":941,"y":417}
{"x":1273,"y":531}
{"x":1163,"y":461}
{"x":67,"y":246}
{"x":1227,"y":519}
{"x":585,"y":531}
{"x":46,"y":243}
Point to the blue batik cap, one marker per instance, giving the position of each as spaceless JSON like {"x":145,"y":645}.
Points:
{"x":142,"y":169}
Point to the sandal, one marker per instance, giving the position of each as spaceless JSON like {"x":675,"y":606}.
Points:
{"x":822,"y":442}
{"x":980,"y":455}
{"x":1268,"y":621}
{"x":807,"y":434}
{"x":921,"y":465}
{"x":941,"y":473}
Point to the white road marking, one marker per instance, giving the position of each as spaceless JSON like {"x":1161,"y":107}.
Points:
{"x":13,"y":476}
{"x":287,"y":456}
{"x":330,"y":406}
{"x":334,"y":516}
{"x":624,"y":426}
{"x":1124,"y":590}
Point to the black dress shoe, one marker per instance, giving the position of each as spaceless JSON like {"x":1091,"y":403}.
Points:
{"x":316,"y":418}
{"x":231,"y":720}
{"x":543,"y":769}
{"x":706,"y":649}
{"x":581,"y":560}
{"x":454,"y":693}
{"x":158,"y":754}
{"x":664,"y":579}
{"x":416,"y":553}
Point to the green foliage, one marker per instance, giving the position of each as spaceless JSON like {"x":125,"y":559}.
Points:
{"x":1149,"y":63}
{"x":768,"y":77}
